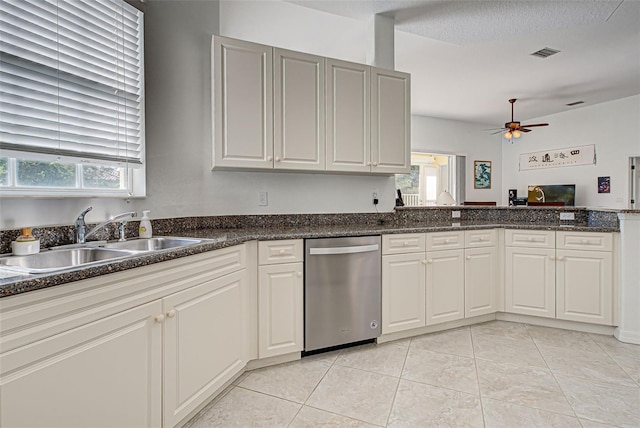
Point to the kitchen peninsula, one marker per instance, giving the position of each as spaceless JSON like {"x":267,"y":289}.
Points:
{"x":89,"y":316}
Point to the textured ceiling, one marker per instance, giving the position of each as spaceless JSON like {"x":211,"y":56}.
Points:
{"x":467,"y":58}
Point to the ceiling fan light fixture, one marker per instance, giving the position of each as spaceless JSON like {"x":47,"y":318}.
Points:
{"x":516,"y":134}
{"x":507,"y":135}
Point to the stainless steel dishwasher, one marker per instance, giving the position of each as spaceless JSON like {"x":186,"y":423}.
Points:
{"x":342,"y":300}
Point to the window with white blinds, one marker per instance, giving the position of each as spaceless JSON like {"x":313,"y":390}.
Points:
{"x":72,"y":81}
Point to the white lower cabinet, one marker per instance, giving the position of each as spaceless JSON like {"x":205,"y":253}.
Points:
{"x":563,"y":275}
{"x":280,"y":297}
{"x":139,"y":348}
{"x":480,"y":280}
{"x":584,"y":289}
{"x":530,"y":275}
{"x":280,"y":309}
{"x":204,"y":333}
{"x":445,"y":286}
{"x":423,"y":278}
{"x":403,"y":292}
{"x":107,"y":373}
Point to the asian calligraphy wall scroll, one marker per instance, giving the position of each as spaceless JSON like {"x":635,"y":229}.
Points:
{"x":581,"y":155}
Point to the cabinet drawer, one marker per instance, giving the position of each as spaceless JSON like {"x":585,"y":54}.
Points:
{"x":403,"y":243}
{"x":480,"y":238}
{"x":445,"y":240}
{"x":593,"y":241}
{"x":530,"y":238}
{"x":274,"y":252}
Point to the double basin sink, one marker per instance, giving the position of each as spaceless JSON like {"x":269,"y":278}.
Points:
{"x":81,"y":256}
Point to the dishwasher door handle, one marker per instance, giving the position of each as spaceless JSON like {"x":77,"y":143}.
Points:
{"x":344,"y":250}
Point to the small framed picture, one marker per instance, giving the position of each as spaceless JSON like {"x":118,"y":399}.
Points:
{"x":604,"y":184}
{"x":482,"y":174}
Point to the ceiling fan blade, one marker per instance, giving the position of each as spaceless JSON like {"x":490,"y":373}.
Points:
{"x":494,"y":133}
{"x":524,"y":130}
{"x":492,"y":129}
{"x":531,"y":126}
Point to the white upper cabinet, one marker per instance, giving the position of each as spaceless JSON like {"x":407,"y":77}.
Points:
{"x":390,"y":122}
{"x":279,"y":109}
{"x":242,"y":104}
{"x":299,"y":124}
{"x":348,"y":116}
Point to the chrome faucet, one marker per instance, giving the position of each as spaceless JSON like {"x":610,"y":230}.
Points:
{"x":81,"y":226}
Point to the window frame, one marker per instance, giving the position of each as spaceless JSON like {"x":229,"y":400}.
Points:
{"x":134,"y":175}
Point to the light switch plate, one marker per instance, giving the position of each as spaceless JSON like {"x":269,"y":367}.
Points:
{"x":455,"y":214}
{"x":567,"y":216}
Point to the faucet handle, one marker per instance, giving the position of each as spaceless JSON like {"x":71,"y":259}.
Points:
{"x":83,"y":213}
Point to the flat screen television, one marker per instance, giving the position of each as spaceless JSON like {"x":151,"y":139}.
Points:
{"x":547,"y":193}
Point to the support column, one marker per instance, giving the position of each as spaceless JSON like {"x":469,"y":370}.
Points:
{"x":629,"y":273}
{"x":381,"y":50}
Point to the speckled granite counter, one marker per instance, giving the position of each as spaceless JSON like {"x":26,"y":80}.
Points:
{"x":287,"y":227}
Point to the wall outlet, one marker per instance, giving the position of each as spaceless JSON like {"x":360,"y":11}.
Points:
{"x":455,"y":214}
{"x":263,"y":199}
{"x":567,"y":216}
{"x":375,"y":194}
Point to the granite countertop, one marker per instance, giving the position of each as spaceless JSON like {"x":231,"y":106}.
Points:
{"x":12,"y":283}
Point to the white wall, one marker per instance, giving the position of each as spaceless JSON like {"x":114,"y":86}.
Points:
{"x":613,"y":127}
{"x":429,"y":134}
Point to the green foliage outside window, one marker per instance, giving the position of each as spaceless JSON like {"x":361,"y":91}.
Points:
{"x":409,"y":183}
{"x":45,"y":174}
{"x":4,"y":172}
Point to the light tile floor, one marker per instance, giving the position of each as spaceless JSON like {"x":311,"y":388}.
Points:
{"x":496,"y":374}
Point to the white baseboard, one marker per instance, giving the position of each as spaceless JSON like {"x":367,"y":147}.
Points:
{"x":272,"y":361}
{"x":627,"y":337}
{"x":435,"y":328}
{"x":551,"y":322}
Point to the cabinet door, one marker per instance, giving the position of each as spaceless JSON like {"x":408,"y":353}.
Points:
{"x":106,"y":373}
{"x":204,"y":342}
{"x":403,"y":292}
{"x":390,"y":122}
{"x":280,"y":309}
{"x":242,"y":104}
{"x":348,"y":117}
{"x":480,"y":281}
{"x":530,"y":281}
{"x":299,"y":111}
{"x":445,"y":286}
{"x":584,"y":286}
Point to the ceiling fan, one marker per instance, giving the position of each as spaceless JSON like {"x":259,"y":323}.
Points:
{"x":514,"y":129}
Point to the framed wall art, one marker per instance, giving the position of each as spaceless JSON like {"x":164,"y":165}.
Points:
{"x":604,"y":184}
{"x":482,"y":174}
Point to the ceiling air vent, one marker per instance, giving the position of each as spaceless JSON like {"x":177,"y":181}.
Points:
{"x":545,"y":53}
{"x":575,"y":103}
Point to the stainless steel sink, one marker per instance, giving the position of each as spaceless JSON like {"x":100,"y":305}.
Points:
{"x":93,"y":253}
{"x":153,"y":244}
{"x":53,"y":260}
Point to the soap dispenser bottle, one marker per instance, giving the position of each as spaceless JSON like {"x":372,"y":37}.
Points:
{"x":144,"y":231}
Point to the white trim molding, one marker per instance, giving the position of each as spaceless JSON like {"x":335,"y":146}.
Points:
{"x":629,"y":296}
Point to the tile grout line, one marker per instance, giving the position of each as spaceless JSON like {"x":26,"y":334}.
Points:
{"x":475,"y":364}
{"x":614,"y":360}
{"x":553,"y":374}
{"x":395,"y":394}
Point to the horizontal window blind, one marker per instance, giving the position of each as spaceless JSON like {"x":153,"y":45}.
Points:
{"x":71,"y":79}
